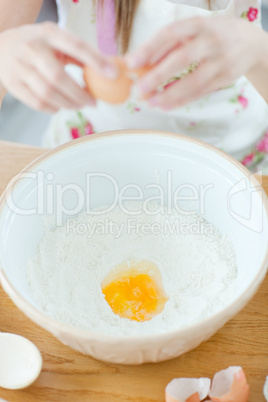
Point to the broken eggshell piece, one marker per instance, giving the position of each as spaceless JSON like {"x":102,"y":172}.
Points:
{"x":187,"y":389}
{"x":20,"y":362}
{"x":229,"y":385}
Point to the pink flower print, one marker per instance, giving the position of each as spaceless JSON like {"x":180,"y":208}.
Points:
{"x":248,"y":159}
{"x":243,"y":101}
{"x":192,"y":124}
{"x":239,"y":99}
{"x":252,"y":14}
{"x":80,"y":126}
{"x":75,"y":133}
{"x":89,"y":129}
{"x":133,"y":108}
{"x":75,"y":1}
{"x":262,"y":146}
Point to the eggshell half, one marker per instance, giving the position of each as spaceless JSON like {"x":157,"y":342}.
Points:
{"x":187,"y":389}
{"x":20,"y":362}
{"x":111,"y":91}
{"x":265,"y":389}
{"x":229,"y":385}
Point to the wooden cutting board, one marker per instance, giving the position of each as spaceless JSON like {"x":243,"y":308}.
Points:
{"x":72,"y":377}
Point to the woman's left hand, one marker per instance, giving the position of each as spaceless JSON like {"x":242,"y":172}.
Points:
{"x":224,"y":47}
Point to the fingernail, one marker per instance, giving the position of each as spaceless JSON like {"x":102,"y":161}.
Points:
{"x":88,"y":102}
{"x":166,"y":107}
{"x":153,"y":101}
{"x":144,"y":88}
{"x":92,"y":103}
{"x":133,"y":62}
{"x":110,"y":71}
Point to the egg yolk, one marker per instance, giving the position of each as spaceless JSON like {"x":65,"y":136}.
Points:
{"x":134,"y":290}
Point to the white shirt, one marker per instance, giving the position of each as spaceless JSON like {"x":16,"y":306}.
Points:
{"x":232,"y":119}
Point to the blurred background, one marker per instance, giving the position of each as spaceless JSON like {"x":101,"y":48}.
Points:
{"x":18,"y":123}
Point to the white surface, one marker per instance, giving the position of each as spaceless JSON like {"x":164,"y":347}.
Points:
{"x":134,"y":158}
{"x":20,"y":362}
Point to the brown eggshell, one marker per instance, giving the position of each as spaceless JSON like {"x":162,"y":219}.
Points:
{"x":111,"y":91}
{"x":235,"y":380}
{"x":193,"y":398}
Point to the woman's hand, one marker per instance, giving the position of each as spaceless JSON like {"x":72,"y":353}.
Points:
{"x":32,"y":66}
{"x":225,"y":48}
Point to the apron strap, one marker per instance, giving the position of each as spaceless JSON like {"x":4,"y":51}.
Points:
{"x":106,"y":27}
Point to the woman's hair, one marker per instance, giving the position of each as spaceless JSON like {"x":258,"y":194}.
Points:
{"x":125,"y":12}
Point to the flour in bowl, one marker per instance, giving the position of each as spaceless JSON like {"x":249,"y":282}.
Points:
{"x":196,"y":262}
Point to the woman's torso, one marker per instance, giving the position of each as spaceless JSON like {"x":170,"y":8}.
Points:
{"x":232,"y":119}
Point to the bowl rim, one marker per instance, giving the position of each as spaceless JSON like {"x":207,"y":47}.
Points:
{"x":31,"y":311}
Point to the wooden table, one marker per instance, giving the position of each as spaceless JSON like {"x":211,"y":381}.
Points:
{"x":72,"y":377}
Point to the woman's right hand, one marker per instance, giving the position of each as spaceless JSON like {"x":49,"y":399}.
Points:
{"x":32,"y":66}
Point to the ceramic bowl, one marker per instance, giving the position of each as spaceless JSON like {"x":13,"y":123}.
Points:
{"x":234,"y":203}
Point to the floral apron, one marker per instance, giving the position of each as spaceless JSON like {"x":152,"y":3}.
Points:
{"x":234,"y":119}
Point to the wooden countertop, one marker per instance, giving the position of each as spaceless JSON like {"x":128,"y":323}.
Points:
{"x":72,"y":377}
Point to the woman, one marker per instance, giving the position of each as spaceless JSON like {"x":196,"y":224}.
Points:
{"x":213,"y":52}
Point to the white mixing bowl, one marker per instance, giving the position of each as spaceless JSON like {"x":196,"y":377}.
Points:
{"x":234,"y":203}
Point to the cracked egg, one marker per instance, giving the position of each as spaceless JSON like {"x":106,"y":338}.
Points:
{"x":112,"y":91}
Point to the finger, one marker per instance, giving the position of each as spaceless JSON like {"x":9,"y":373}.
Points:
{"x":74,"y":47}
{"x":189,"y":88}
{"x":66,"y":59}
{"x":164,"y":41}
{"x":52,"y":70}
{"x":25,"y":95}
{"x":178,"y":60}
{"x":46,"y":92}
